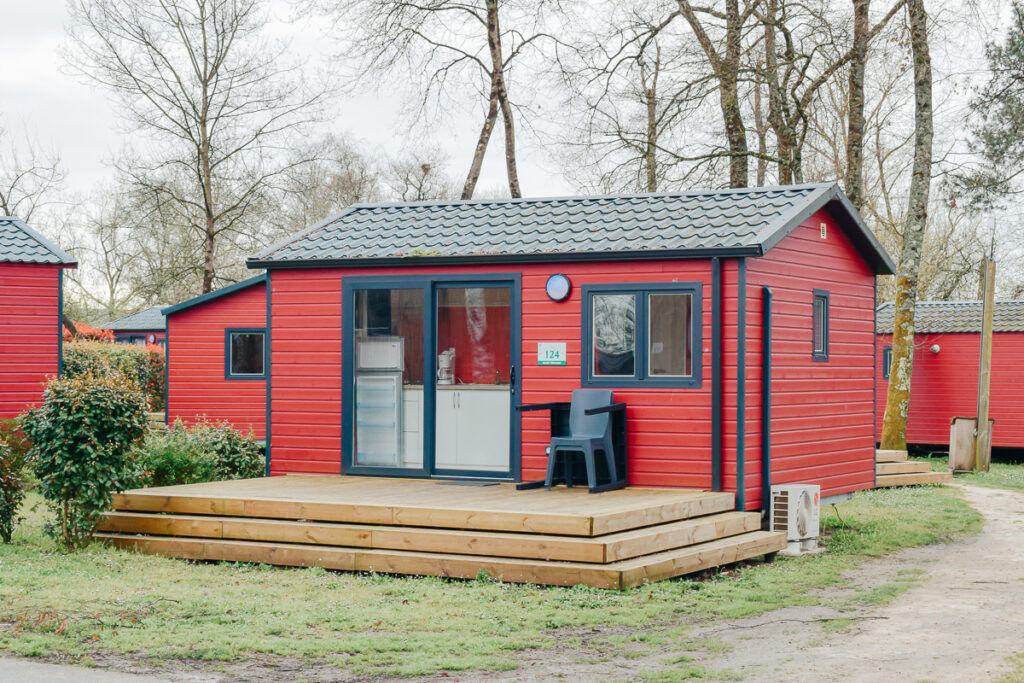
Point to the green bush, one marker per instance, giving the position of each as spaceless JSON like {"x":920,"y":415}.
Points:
{"x":207,"y":451}
{"x":12,"y":489}
{"x":81,"y":438}
{"x":143,"y":364}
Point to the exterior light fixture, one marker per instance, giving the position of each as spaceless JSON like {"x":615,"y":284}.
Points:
{"x":935,"y":348}
{"x":558,"y":287}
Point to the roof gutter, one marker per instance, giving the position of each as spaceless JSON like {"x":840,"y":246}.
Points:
{"x":470,"y":259}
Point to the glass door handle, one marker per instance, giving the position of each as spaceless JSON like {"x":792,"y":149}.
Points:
{"x":512,"y":379}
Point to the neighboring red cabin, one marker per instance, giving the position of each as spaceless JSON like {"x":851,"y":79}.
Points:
{"x":143,"y":327}
{"x":405,"y":336}
{"x":215,"y":357}
{"x":31,"y":302}
{"x":944,"y":385}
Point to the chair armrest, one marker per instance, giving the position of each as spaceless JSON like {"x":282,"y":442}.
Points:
{"x":542,"y":406}
{"x":612,"y":408}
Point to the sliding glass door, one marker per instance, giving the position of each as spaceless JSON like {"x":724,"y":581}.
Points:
{"x":429,"y":381}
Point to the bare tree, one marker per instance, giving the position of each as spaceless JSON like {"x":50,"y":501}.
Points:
{"x":29,"y":178}
{"x":420,"y":176}
{"x":894,"y":424}
{"x":438,"y":48}
{"x":219,"y":99}
{"x":853,"y":179}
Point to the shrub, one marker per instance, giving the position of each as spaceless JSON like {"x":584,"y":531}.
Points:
{"x":12,"y":489}
{"x":81,"y":437}
{"x":207,"y":451}
{"x":143,"y":365}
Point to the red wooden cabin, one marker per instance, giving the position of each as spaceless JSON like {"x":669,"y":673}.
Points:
{"x":215,"y":357}
{"x":944,"y":385}
{"x":31,"y":304}
{"x":143,"y":327}
{"x":404,"y":336}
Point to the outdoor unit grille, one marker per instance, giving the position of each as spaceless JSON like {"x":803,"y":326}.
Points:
{"x":795,"y":511}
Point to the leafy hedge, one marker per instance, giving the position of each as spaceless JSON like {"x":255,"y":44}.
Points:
{"x":81,"y":437}
{"x":207,"y":451}
{"x":144,"y":365}
{"x":14,"y":447}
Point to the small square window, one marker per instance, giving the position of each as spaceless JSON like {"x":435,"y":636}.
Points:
{"x":886,"y":361}
{"x":819,"y":325}
{"x":244,"y":354}
{"x":641,"y":334}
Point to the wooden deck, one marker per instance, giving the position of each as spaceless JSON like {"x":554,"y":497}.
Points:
{"x":408,"y":526}
{"x":892,"y":468}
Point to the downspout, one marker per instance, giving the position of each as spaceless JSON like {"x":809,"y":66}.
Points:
{"x":167,"y":370}
{"x":268,"y":360}
{"x":766,"y":400}
{"x":716,"y":374}
{"x":741,"y":383}
{"x":874,"y":384}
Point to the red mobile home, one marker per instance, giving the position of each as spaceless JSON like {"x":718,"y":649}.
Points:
{"x":31,"y":304}
{"x":143,"y":327}
{"x":215,"y":357}
{"x":944,"y":385}
{"x":737,"y":325}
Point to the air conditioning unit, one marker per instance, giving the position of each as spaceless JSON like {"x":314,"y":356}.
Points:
{"x":796,"y":511}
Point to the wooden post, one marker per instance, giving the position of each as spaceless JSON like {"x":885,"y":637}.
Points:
{"x":983,"y":440}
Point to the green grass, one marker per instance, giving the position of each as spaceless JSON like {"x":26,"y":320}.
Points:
{"x":1001,"y":475}
{"x":1016,"y":672}
{"x":106,"y":601}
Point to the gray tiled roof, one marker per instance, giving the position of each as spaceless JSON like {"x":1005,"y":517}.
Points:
{"x":931,"y":317}
{"x":21,"y":244}
{"x":147,"y":319}
{"x":744,"y":221}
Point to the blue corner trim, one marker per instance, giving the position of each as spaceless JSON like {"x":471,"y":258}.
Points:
{"x":209,"y":296}
{"x":60,"y":323}
{"x":716,"y":374}
{"x":741,"y":384}
{"x":269,"y":362}
{"x":766,"y":399}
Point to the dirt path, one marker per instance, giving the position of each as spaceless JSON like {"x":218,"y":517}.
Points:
{"x":959,"y":623}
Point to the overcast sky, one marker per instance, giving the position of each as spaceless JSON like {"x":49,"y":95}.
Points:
{"x":81,"y":123}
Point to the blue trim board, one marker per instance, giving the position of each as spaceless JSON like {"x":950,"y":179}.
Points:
{"x":209,"y":296}
{"x":60,"y":322}
{"x":429,"y":284}
{"x":228,"y":331}
{"x":766,"y":400}
{"x":741,"y":383}
{"x":640,"y":378}
{"x":167,"y":373}
{"x":716,"y":374}
{"x":269,"y":367}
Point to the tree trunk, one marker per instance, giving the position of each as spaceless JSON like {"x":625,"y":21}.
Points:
{"x":481,"y":144}
{"x":762,"y":137}
{"x":651,"y":143}
{"x":855,"y":123}
{"x":894,"y":424}
{"x":498,"y":81}
{"x":735,"y":131}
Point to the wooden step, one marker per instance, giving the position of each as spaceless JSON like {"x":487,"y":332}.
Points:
{"x":607,"y":548}
{"x":890,"y":456}
{"x":913,"y":479}
{"x":908,"y":467}
{"x":405,"y":502}
{"x":615,"y":575}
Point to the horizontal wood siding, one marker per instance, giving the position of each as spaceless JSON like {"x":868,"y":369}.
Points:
{"x":669,"y":436}
{"x":195,"y":374}
{"x":945,"y":385}
{"x":29,"y":328}
{"x":820,"y":432}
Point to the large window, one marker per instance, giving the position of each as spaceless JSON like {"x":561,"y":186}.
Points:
{"x":244,"y":353}
{"x":819,"y":326}
{"x":641,"y":335}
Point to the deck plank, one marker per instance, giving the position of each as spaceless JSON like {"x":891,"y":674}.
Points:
{"x":601,"y":549}
{"x":614,"y":575}
{"x":428,"y":503}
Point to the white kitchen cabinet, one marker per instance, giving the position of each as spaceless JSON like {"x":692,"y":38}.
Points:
{"x":472,"y":428}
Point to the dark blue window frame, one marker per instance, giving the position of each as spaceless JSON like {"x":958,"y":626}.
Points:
{"x":820,"y":355}
{"x":886,"y":361}
{"x":640,"y":377}
{"x":227,"y":352}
